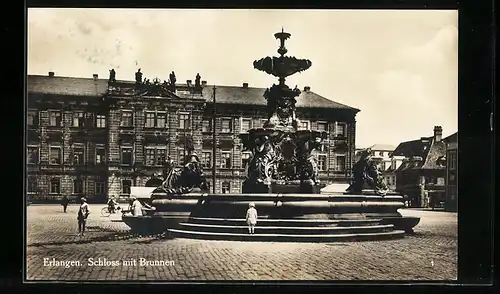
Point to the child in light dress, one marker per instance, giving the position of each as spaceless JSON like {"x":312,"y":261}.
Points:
{"x":251,"y":218}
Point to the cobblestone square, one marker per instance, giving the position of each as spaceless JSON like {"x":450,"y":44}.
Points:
{"x":429,"y":254}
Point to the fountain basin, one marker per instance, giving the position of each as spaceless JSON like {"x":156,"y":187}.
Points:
{"x":176,"y":212}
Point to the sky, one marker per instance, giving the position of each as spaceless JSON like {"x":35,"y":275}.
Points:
{"x":399,"y":67}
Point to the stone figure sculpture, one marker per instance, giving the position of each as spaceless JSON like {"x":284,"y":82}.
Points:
{"x":172,"y":81}
{"x":184,"y":180}
{"x":138,"y":76}
{"x":112,"y":76}
{"x":364,"y":172}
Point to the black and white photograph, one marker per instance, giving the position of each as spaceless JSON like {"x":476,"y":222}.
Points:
{"x":174,"y":145}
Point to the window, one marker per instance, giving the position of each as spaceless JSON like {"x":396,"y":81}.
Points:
{"x":100,"y":155}
{"x":322,"y":127}
{"x":246,"y":124}
{"x":184,"y":121}
{"x":78,"y":157}
{"x":340,"y":130}
{"x":322,"y":147}
{"x":207,"y":126}
{"x":127,"y":118}
{"x":452,"y":160}
{"x":225,"y":159}
{"x":381,"y":153}
{"x":245,"y":157}
{"x":304,"y":125}
{"x":226,"y":187}
{"x":55,"y":155}
{"x":161,"y":119}
{"x":32,"y":118}
{"x":55,"y":119}
{"x":150,"y":120}
{"x":55,"y":186}
{"x":161,"y":156}
{"x":322,"y":162}
{"x":226,"y":125}
{"x":101,"y":121}
{"x":206,"y":159}
{"x":78,"y":119}
{"x":126,"y":155}
{"x":32,"y":184}
{"x":126,"y":184}
{"x":394,"y":180}
{"x":32,"y":155}
{"x":100,"y":188}
{"x":340,"y":163}
{"x":155,"y":156}
{"x":77,"y":187}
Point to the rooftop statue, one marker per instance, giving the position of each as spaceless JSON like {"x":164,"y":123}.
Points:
{"x":138,"y":77}
{"x":112,"y":76}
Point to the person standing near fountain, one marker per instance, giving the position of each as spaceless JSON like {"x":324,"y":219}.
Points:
{"x":251,"y":217}
{"x":83,"y":214}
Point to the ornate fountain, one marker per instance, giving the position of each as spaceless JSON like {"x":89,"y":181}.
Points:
{"x":281,"y":181}
{"x":281,"y":154}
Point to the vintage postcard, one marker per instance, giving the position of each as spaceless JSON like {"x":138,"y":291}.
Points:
{"x":209,"y":145}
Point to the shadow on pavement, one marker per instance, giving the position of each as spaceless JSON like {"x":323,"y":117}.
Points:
{"x":115,"y":236}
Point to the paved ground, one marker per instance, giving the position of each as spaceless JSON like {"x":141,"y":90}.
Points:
{"x":430,"y":254}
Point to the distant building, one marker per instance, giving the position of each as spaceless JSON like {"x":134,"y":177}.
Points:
{"x":87,"y":137}
{"x":389,"y":174}
{"x":421,"y":175}
{"x":452,"y":173}
{"x":381,"y":153}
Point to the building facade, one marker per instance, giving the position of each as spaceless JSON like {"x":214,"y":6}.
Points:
{"x":421,"y":175}
{"x":98,"y":138}
{"x":451,"y":203}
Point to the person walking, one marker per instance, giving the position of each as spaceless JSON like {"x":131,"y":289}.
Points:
{"x":64,"y":203}
{"x":83,"y":214}
{"x":251,"y":218}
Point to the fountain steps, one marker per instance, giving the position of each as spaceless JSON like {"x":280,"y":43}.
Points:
{"x":302,"y":230}
{"x":286,"y":222}
{"x":287,"y":237}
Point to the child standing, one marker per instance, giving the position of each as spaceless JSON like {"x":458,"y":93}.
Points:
{"x":251,"y":218}
{"x":83,"y":213}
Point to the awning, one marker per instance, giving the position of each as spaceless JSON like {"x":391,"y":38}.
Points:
{"x":141,"y":192}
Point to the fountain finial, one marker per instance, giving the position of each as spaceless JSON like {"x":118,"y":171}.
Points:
{"x":282,"y":36}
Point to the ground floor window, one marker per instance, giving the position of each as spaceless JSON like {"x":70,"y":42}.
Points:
{"x":226,"y":187}
{"x":100,"y":188}
{"x":78,"y":186}
{"x":55,"y":186}
{"x":32,"y":184}
{"x":126,"y":184}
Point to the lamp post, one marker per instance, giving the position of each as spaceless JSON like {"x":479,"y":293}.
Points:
{"x":214,"y":137}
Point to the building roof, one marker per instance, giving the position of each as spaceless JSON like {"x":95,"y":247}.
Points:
{"x":382,"y":147}
{"x":427,"y":148}
{"x":67,"y":86}
{"x":453,"y":138}
{"x":255,"y":96}
{"x":73,"y":86}
{"x":414,"y":148}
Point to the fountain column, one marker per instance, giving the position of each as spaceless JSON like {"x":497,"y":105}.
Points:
{"x":282,"y":160}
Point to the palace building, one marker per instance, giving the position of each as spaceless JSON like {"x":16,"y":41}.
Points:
{"x":98,"y":138}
